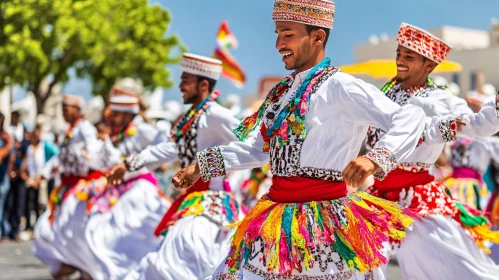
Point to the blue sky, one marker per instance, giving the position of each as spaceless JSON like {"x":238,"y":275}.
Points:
{"x":197,"y":21}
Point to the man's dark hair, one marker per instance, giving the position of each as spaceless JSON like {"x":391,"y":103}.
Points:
{"x":15,"y":114}
{"x":311,"y":28}
{"x":211,"y":82}
{"x":424,"y":61}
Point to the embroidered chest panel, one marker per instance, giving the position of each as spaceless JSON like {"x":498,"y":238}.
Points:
{"x":461,"y":154}
{"x":72,"y":158}
{"x":187,"y":145}
{"x":285,"y":158}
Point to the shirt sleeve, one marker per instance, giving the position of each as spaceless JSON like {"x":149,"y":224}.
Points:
{"x":448,"y":108}
{"x":217,"y":161}
{"x":403,"y":126}
{"x":153,"y":156}
{"x":482,"y":124}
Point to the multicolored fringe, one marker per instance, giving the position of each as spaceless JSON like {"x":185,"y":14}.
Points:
{"x":105,"y":198}
{"x":477,"y":225}
{"x":257,"y":176}
{"x":218,"y":206}
{"x":432,"y":199}
{"x":467,"y":191}
{"x":83,"y":191}
{"x":355,"y":225}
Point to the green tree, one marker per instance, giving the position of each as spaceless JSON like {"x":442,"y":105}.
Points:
{"x":103,"y":40}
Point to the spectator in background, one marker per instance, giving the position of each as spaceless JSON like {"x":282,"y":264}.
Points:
{"x":16,"y":127}
{"x":16,"y":197}
{"x":5,"y":146}
{"x":38,"y":154}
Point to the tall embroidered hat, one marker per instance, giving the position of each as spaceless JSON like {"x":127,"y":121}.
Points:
{"x":422,"y":42}
{"x":201,"y":66}
{"x":312,"y":12}
{"x":73,"y":100}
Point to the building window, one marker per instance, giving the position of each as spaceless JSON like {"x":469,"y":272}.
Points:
{"x":473,"y":81}
{"x":455,"y":79}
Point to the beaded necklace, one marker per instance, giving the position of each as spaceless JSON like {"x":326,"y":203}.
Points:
{"x":429,"y":86}
{"x":69,"y":132}
{"x":130,"y":130}
{"x":192,"y":116}
{"x":291,"y":119}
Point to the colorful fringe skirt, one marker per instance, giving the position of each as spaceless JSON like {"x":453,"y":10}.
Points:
{"x":83,"y":188}
{"x":220,"y":207}
{"x":468,"y":191}
{"x":276,"y":240}
{"x":432,"y":199}
{"x":103,"y":200}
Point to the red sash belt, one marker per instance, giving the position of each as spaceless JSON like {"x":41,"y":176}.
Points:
{"x":199,"y":186}
{"x":399,"y":179}
{"x":72,"y":180}
{"x":301,"y":189}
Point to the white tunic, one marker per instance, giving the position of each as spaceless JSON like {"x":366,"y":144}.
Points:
{"x":83,"y":152}
{"x":214,"y":127}
{"x":66,"y":235}
{"x":440,"y":106}
{"x":120,"y":237}
{"x":438,"y":241}
{"x":340,"y":112}
{"x":195,"y":245}
{"x":477,"y":154}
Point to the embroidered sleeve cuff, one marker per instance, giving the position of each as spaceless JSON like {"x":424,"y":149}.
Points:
{"x":211,"y":163}
{"x":384,"y":159}
{"x":133,"y":163}
{"x":448,"y":129}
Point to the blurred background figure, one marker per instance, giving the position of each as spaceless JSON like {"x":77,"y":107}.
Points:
{"x":5,"y":143}
{"x":16,"y":198}
{"x":38,"y":154}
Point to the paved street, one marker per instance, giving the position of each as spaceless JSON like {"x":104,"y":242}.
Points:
{"x":18,"y":263}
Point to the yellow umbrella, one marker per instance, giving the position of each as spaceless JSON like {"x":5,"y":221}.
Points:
{"x":387,"y":69}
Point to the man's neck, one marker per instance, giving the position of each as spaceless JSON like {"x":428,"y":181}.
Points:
{"x":318,"y":58}
{"x":412,"y":84}
{"x":75,"y":121}
{"x":198,"y":101}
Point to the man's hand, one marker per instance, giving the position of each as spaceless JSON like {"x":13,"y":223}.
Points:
{"x":357,"y":171}
{"x":186,"y":177}
{"x":475,"y":104}
{"x":115,"y":176}
{"x":36,"y":183}
{"x":460,"y":124}
{"x":102,"y":136}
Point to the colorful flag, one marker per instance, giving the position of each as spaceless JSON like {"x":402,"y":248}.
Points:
{"x":231,"y":68}
{"x":225,"y":37}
